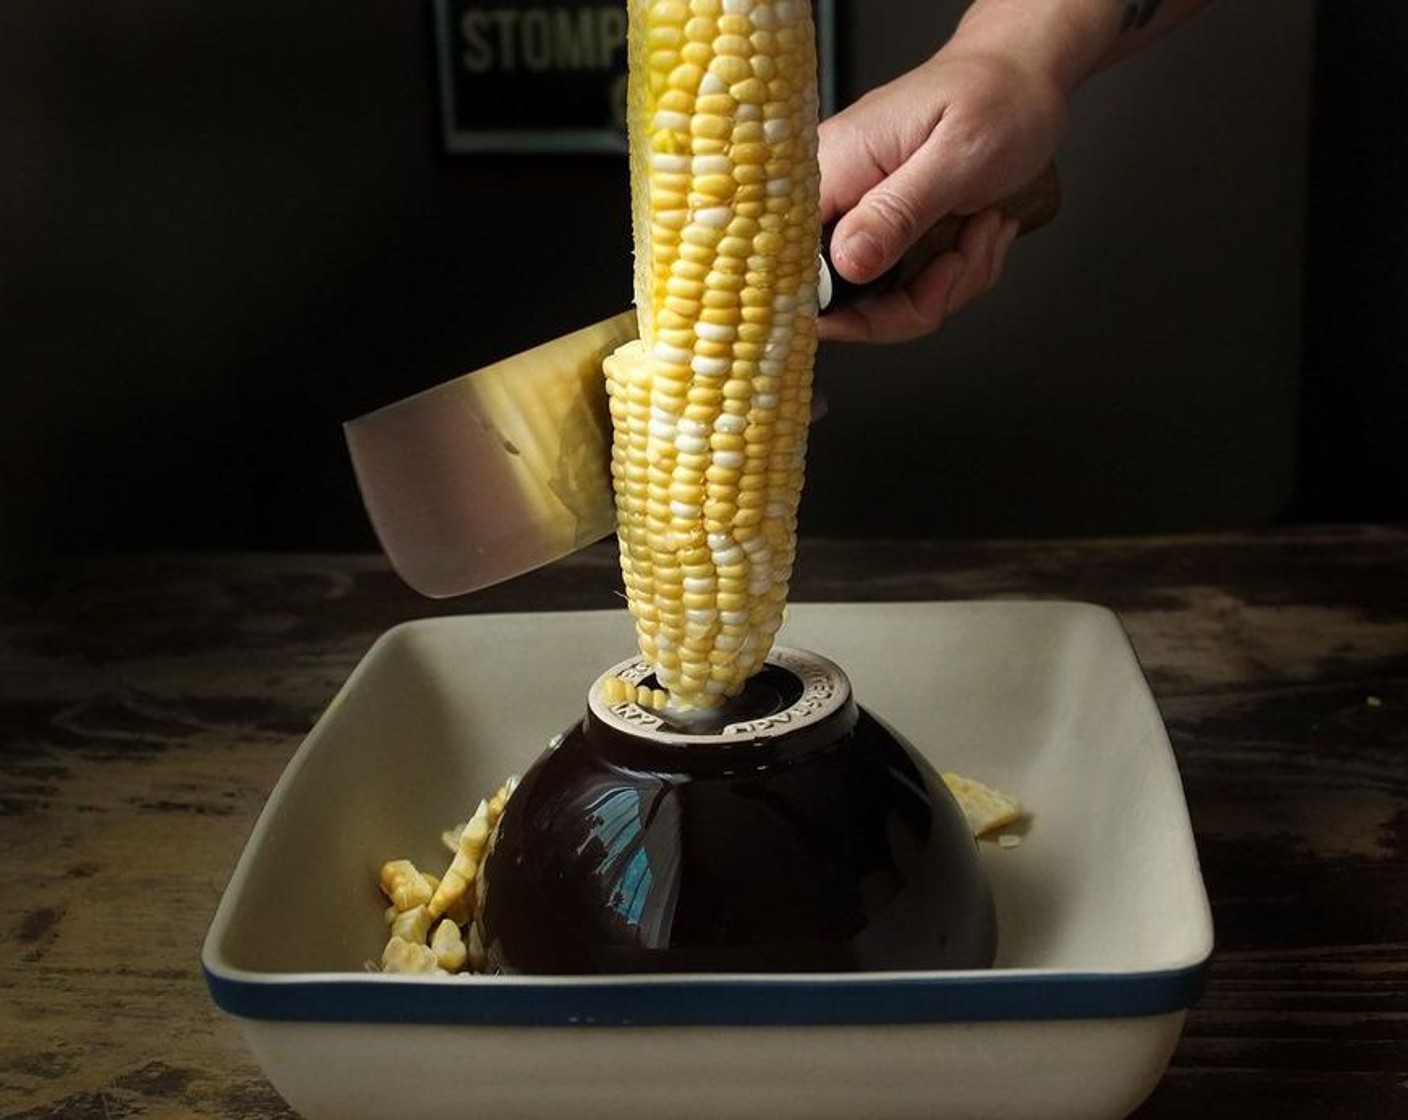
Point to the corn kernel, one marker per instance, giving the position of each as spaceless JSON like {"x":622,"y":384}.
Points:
{"x":405,"y":886}
{"x":448,"y":946}
{"x":405,"y":956}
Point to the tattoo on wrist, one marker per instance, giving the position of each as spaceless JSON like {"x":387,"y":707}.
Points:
{"x":1138,"y":13}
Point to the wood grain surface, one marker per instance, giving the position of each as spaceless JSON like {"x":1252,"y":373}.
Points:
{"x":148,"y":705}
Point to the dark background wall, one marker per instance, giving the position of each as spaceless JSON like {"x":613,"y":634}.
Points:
{"x":1137,"y":370}
{"x":226,"y":227}
{"x":1353,"y":456}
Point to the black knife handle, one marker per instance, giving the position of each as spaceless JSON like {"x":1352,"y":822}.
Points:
{"x":1033,"y":205}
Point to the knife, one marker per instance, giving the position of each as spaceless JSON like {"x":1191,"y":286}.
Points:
{"x":502,"y":470}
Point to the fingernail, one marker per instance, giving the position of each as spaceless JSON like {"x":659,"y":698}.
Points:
{"x":861,"y":253}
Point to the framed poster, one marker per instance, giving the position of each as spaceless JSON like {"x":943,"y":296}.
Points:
{"x":530,"y":76}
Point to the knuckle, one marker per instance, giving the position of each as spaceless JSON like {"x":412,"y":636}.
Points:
{"x":896,"y":215}
{"x":918,"y":318}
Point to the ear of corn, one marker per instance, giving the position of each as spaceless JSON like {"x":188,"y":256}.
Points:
{"x":710,"y":405}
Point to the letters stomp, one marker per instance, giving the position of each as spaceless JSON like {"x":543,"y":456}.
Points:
{"x":524,"y":75}
{"x":540,"y":40}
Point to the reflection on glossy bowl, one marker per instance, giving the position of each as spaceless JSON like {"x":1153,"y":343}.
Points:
{"x":801,"y":835}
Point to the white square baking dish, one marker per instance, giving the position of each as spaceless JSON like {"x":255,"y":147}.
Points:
{"x":1104,"y":926}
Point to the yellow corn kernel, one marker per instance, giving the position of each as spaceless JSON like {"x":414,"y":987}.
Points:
{"x":401,"y":955}
{"x":448,"y":946}
{"x":500,"y":798}
{"x":986,"y":809}
{"x":617,"y":691}
{"x":404,"y":885}
{"x":462,"y":910}
{"x":412,"y":924}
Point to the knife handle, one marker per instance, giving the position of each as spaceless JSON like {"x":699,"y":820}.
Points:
{"x":1033,"y":206}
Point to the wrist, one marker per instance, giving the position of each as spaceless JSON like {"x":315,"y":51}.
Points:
{"x":1061,"y":42}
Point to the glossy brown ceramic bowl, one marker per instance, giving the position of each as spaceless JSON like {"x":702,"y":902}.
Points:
{"x":798,"y":833}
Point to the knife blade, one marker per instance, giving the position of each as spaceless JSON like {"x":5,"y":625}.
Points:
{"x":495,"y":472}
{"x":502,"y":470}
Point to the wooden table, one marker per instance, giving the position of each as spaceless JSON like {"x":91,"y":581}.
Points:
{"x":147,"y":707}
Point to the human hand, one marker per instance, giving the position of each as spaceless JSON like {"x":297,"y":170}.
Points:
{"x":953,"y":136}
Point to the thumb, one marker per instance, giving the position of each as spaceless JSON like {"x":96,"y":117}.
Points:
{"x":893,"y":214}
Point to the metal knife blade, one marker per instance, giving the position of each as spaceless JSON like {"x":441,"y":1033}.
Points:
{"x":496,"y":472}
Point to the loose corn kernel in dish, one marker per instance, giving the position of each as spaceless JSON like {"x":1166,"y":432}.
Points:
{"x":431,"y":920}
{"x":412,"y":924}
{"x":500,"y":799}
{"x":710,"y":405}
{"x":986,"y":809}
{"x":447,"y":943}
{"x":401,"y":955}
{"x":404,"y":885}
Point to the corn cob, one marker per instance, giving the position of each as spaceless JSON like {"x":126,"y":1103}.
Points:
{"x":710,"y":406}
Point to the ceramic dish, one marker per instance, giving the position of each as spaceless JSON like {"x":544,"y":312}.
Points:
{"x":1104,"y":926}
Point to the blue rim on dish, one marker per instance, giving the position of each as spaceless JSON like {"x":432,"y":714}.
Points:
{"x":732,"y":1001}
